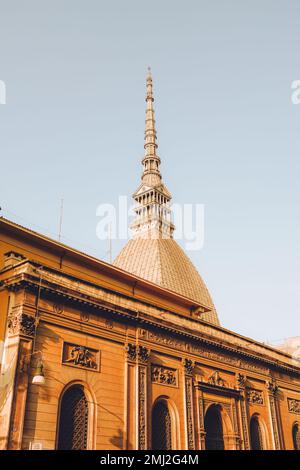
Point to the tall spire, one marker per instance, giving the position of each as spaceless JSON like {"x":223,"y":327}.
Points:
{"x":151,"y":161}
{"x":153,"y":214}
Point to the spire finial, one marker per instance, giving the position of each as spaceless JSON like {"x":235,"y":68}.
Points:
{"x":151,"y":160}
{"x":153,"y":214}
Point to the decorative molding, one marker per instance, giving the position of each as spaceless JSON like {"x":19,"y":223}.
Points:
{"x":57,"y":308}
{"x":218,"y":390}
{"x":84,"y":316}
{"x":165,"y":340}
{"x":109,"y":324}
{"x":164,"y":375}
{"x":21,"y":324}
{"x":56,"y":284}
{"x":293,"y":405}
{"x":130,"y":350}
{"x":79,"y":356}
{"x":254,"y":397}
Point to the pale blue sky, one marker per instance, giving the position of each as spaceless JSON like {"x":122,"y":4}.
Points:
{"x":228,"y":133}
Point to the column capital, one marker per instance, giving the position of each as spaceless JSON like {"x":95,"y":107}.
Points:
{"x":22,"y":324}
{"x":130,"y":350}
{"x":241,"y":380}
{"x":272,"y":387}
{"x":189,"y":366}
{"x":143,"y":354}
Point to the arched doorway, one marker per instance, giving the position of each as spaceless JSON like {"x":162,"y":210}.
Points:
{"x":73,"y":419}
{"x":214,"y":438}
{"x":161,"y":426}
{"x":296,"y":436}
{"x":256,"y":434}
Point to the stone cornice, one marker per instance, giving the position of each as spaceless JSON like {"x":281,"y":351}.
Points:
{"x":111,"y":275}
{"x":218,"y":390}
{"x":25,"y":279}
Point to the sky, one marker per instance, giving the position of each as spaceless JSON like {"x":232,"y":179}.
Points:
{"x":228,"y":133}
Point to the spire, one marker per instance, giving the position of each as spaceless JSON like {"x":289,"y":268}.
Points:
{"x":151,"y":161}
{"x":153,"y":213}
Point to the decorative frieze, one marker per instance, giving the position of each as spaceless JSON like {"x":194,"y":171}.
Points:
{"x":80,"y":356}
{"x":255,"y":397}
{"x":204,"y":352}
{"x":21,"y":324}
{"x":165,"y":340}
{"x":293,"y":405}
{"x":164,"y":375}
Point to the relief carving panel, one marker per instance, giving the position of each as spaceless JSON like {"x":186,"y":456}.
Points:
{"x":80,"y":356}
{"x":293,"y":405}
{"x":255,"y":397}
{"x":164,"y":375}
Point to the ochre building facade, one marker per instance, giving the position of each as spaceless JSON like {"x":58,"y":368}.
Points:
{"x":131,"y":355}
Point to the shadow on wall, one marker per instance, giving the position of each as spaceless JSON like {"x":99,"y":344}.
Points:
{"x":117,"y":441}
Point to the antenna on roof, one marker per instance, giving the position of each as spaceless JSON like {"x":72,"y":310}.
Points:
{"x":109,"y":244}
{"x":60,"y":219}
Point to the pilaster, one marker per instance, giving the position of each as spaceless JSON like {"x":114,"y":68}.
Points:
{"x":188,"y":366}
{"x":241,"y":385}
{"x":143,"y":355}
{"x":272,"y":389}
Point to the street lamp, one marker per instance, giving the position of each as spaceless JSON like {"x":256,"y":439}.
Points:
{"x":39,"y":377}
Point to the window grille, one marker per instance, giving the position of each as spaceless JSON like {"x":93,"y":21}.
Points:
{"x":73,"y":422}
{"x":161,"y":427}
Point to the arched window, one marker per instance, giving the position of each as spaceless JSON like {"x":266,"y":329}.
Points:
{"x":256,"y":434}
{"x":73,"y":419}
{"x":296,"y":436}
{"x":214,"y":439}
{"x":161,"y":427}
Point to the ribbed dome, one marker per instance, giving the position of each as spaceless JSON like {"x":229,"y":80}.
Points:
{"x":163,"y":262}
{"x":152,"y":253}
